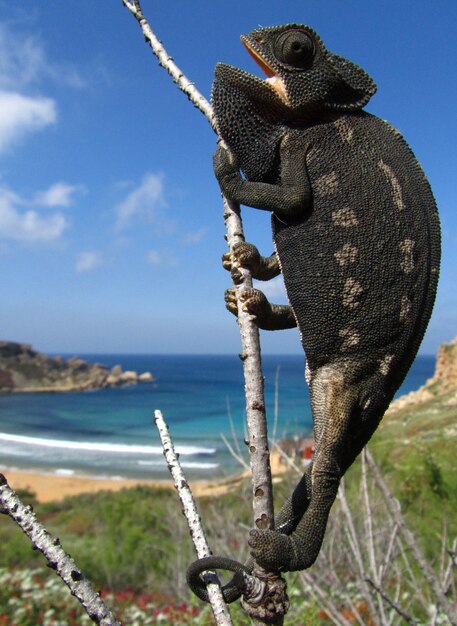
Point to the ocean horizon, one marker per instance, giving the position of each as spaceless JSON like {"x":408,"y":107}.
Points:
{"x":110,"y":433}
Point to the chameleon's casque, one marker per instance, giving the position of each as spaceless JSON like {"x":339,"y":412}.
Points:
{"x":357,"y":239}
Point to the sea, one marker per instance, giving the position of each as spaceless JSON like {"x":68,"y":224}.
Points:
{"x":110,"y":433}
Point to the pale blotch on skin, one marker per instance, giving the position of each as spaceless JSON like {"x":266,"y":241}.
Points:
{"x":384,"y":364}
{"x":345,"y":217}
{"x":326,"y":184}
{"x":406,"y":247}
{"x":346,"y":255}
{"x":350,"y":338}
{"x":405,"y":308}
{"x":393,"y":180}
{"x":312,"y":154}
{"x":351,"y":291}
{"x":344,"y":129}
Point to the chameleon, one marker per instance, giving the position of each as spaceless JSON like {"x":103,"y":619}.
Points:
{"x":357,"y":239}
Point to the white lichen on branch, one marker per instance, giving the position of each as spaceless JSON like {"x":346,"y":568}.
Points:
{"x":197,"y":533}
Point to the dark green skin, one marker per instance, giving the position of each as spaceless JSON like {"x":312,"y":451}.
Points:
{"x":357,"y":238}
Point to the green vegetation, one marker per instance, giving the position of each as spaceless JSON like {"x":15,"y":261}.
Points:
{"x":135,"y":545}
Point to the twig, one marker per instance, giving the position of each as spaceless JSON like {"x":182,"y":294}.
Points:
{"x":233,"y":431}
{"x":369,"y":526}
{"x":167,"y":62}
{"x":57,"y":558}
{"x":324,"y":600}
{"x":250,"y":341}
{"x":197,"y":534}
{"x":276,"y":409}
{"x":238,"y":458}
{"x":355,"y":546}
{"x":408,"y":619}
{"x":410,"y":540}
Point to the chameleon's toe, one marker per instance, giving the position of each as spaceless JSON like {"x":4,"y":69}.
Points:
{"x":272,"y":550}
{"x":230,"y":301}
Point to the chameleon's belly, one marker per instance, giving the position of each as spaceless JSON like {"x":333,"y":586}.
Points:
{"x":361,"y":269}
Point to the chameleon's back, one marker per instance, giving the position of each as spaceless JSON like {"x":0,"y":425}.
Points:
{"x":362,"y":266}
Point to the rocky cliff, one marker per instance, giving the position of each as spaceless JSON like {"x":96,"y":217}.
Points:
{"x":23,"y":369}
{"x":444,"y":380}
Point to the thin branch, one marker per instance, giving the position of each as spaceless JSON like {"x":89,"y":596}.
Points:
{"x":197,"y":534}
{"x":167,"y":62}
{"x":324,"y":600}
{"x":238,"y":458}
{"x":233,"y":431}
{"x":408,"y":619}
{"x":57,"y":558}
{"x":354,"y":543}
{"x":250,"y":341}
{"x":369,"y":527}
{"x":276,"y":406}
{"x":410,"y":540}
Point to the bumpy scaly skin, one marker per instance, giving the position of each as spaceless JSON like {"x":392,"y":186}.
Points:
{"x":357,"y":238}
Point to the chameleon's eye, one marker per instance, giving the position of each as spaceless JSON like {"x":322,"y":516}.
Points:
{"x":294,"y":47}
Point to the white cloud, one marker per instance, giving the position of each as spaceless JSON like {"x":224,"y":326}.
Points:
{"x":142,"y":203}
{"x":21,"y":115}
{"x":27,"y":225}
{"x":161,"y":259}
{"x":23,"y":61}
{"x":194,"y":237}
{"x":88,"y":260}
{"x":58,"y":194}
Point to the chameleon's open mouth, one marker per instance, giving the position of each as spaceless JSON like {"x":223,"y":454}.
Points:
{"x":272,"y":79}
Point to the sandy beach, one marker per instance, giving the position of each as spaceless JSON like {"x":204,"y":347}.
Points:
{"x":51,"y":487}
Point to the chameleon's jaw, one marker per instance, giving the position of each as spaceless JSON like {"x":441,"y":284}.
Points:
{"x":273,"y":80}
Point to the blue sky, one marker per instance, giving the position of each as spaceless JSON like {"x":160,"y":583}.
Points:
{"x":111,"y":225}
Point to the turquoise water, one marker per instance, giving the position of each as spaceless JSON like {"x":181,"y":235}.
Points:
{"x":110,"y":432}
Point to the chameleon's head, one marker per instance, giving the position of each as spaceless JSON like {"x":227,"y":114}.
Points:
{"x":303,"y":77}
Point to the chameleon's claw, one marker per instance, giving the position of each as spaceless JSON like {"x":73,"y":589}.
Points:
{"x":230,"y":301}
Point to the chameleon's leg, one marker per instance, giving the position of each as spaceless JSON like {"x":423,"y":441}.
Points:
{"x":288,"y":200}
{"x":334,"y":402}
{"x":268,"y":316}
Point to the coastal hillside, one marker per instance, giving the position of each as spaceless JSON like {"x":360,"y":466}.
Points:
{"x":23,"y":369}
{"x":415,"y":445}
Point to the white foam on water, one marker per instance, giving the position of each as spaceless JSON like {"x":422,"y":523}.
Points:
{"x":100,"y":446}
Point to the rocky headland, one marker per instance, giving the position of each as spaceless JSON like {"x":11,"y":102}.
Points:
{"x":443,"y":382}
{"x":24,"y":370}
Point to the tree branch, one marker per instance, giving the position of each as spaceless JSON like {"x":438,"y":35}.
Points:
{"x":57,"y":558}
{"x":250,"y":342}
{"x":410,"y":540}
{"x":197,"y":533}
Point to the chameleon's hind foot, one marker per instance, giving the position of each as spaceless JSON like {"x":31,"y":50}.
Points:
{"x":272,"y":550}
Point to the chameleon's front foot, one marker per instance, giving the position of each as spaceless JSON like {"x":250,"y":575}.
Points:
{"x":253,"y":302}
{"x":242,"y":254}
{"x":268,"y":316}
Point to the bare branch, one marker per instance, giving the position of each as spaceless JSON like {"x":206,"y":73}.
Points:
{"x":57,"y":558}
{"x":410,"y":540}
{"x":324,"y":600}
{"x":238,"y":458}
{"x":197,"y":534}
{"x":355,"y":546}
{"x":167,"y":62}
{"x":408,"y":619}
{"x":250,"y":341}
